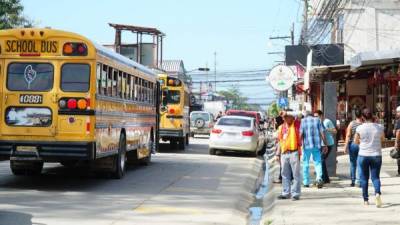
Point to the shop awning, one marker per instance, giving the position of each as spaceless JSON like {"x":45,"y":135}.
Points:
{"x":375,"y":58}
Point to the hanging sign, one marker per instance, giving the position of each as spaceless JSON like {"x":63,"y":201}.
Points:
{"x":281,"y":78}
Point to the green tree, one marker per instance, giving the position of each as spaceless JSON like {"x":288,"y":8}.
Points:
{"x":235,"y":98}
{"x":273,"y":109}
{"x":11,"y":15}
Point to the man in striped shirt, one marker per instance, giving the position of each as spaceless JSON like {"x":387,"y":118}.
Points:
{"x":312,"y":134}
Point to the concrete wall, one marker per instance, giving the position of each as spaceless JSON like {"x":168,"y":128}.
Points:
{"x":372,"y":26}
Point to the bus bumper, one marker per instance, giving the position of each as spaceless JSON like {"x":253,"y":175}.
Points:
{"x":169,"y":133}
{"x":47,"y":151}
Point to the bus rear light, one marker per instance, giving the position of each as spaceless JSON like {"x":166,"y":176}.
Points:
{"x":82,"y":104}
{"x":68,"y":49}
{"x":62,"y":103}
{"x":87,"y":126}
{"x":88,"y":103}
{"x":71,"y":104}
{"x":81,"y":48}
{"x":75,"y":49}
{"x":171,"y":111}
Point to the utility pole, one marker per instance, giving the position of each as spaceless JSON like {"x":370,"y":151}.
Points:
{"x":215,"y":72}
{"x":304,"y":32}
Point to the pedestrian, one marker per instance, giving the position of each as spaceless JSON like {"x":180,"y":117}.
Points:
{"x":369,"y":136}
{"x":330,"y":131}
{"x":312,"y":135}
{"x":352,"y":148}
{"x":397,"y":140}
{"x":289,"y":157}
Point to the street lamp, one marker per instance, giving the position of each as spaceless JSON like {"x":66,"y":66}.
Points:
{"x":199,"y":69}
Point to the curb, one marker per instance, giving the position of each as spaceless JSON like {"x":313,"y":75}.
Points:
{"x":269,"y":200}
{"x":246,"y":197}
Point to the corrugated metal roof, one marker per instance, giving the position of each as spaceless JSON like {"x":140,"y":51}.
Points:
{"x":173,"y":66}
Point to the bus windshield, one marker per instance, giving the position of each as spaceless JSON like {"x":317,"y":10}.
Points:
{"x":173,"y":97}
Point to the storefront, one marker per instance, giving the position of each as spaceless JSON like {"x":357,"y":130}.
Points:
{"x":370,"y":80}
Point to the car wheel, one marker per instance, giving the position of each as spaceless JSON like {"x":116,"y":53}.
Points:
{"x":212,"y":151}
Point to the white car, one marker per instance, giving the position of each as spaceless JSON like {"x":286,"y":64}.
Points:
{"x":236,"y":133}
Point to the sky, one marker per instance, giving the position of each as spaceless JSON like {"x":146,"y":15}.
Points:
{"x":237,"y":30}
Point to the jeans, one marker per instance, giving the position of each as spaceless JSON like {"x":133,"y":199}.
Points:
{"x":290,"y":163}
{"x":316,"y":155}
{"x":367,"y":164}
{"x":398,"y":166}
{"x":325,"y":175}
{"x":353,"y":154}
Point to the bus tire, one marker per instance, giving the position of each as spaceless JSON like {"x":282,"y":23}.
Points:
{"x":172,"y":144}
{"x":118,"y":170}
{"x":187,"y":139}
{"x":182,"y":143}
{"x":20,"y":168}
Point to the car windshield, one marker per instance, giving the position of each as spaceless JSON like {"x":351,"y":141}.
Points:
{"x":203,"y":116}
{"x":234,"y":122}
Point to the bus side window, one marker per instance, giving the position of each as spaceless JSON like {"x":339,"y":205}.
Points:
{"x":115,"y":83}
{"x":132,"y":86}
{"x":120,"y":86}
{"x":128,"y":86}
{"x":140,"y":90}
{"x":110,"y":81}
{"x":151,"y":93}
{"x":104,"y":80}
{"x":98,"y":77}
{"x":136,"y":88}
{"x":145,"y":91}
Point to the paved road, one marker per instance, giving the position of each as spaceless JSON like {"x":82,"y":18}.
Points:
{"x":178,"y":187}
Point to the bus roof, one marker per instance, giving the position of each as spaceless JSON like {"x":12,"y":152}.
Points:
{"x":121,"y":59}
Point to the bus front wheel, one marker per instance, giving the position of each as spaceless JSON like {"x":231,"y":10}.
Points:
{"x":20,"y":168}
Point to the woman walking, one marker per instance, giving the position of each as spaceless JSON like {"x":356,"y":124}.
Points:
{"x":369,"y":136}
{"x":353,"y":148}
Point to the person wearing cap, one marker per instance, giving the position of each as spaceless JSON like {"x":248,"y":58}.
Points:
{"x":312,"y":135}
{"x":289,"y":156}
{"x":369,"y":136}
{"x":397,"y":140}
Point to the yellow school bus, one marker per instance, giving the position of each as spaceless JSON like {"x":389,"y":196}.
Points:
{"x":174,"y":111}
{"x":66,"y":99}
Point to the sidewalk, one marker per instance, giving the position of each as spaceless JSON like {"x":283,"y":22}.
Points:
{"x":338,"y":203}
